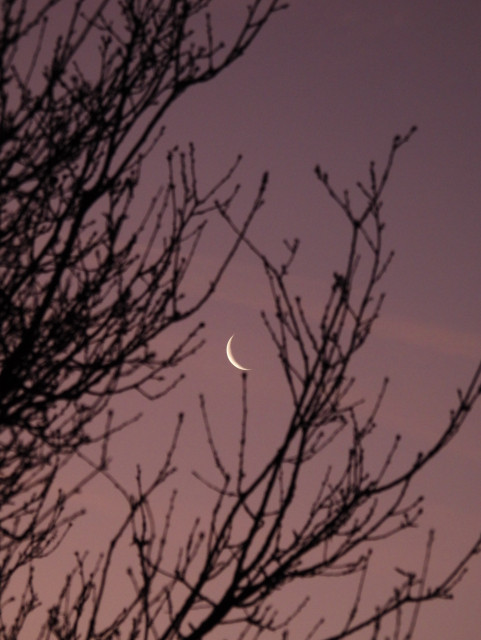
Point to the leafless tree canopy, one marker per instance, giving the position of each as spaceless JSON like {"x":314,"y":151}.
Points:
{"x":87,"y":282}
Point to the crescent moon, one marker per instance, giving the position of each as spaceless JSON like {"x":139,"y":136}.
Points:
{"x":231,"y":358}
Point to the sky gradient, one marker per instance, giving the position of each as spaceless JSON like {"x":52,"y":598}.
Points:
{"x":330,"y":82}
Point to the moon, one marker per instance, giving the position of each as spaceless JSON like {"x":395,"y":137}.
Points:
{"x":231,"y":358}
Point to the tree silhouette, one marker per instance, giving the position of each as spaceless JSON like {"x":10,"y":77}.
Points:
{"x":87,"y":286}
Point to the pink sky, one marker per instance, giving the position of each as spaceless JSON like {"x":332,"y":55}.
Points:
{"x":331,"y":82}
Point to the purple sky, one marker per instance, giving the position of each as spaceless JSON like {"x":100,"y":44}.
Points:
{"x":331,"y":82}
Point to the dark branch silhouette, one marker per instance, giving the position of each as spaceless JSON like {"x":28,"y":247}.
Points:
{"x":88,"y":282}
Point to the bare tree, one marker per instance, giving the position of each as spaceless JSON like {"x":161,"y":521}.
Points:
{"x":85,"y":286}
{"x":83,"y":296}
